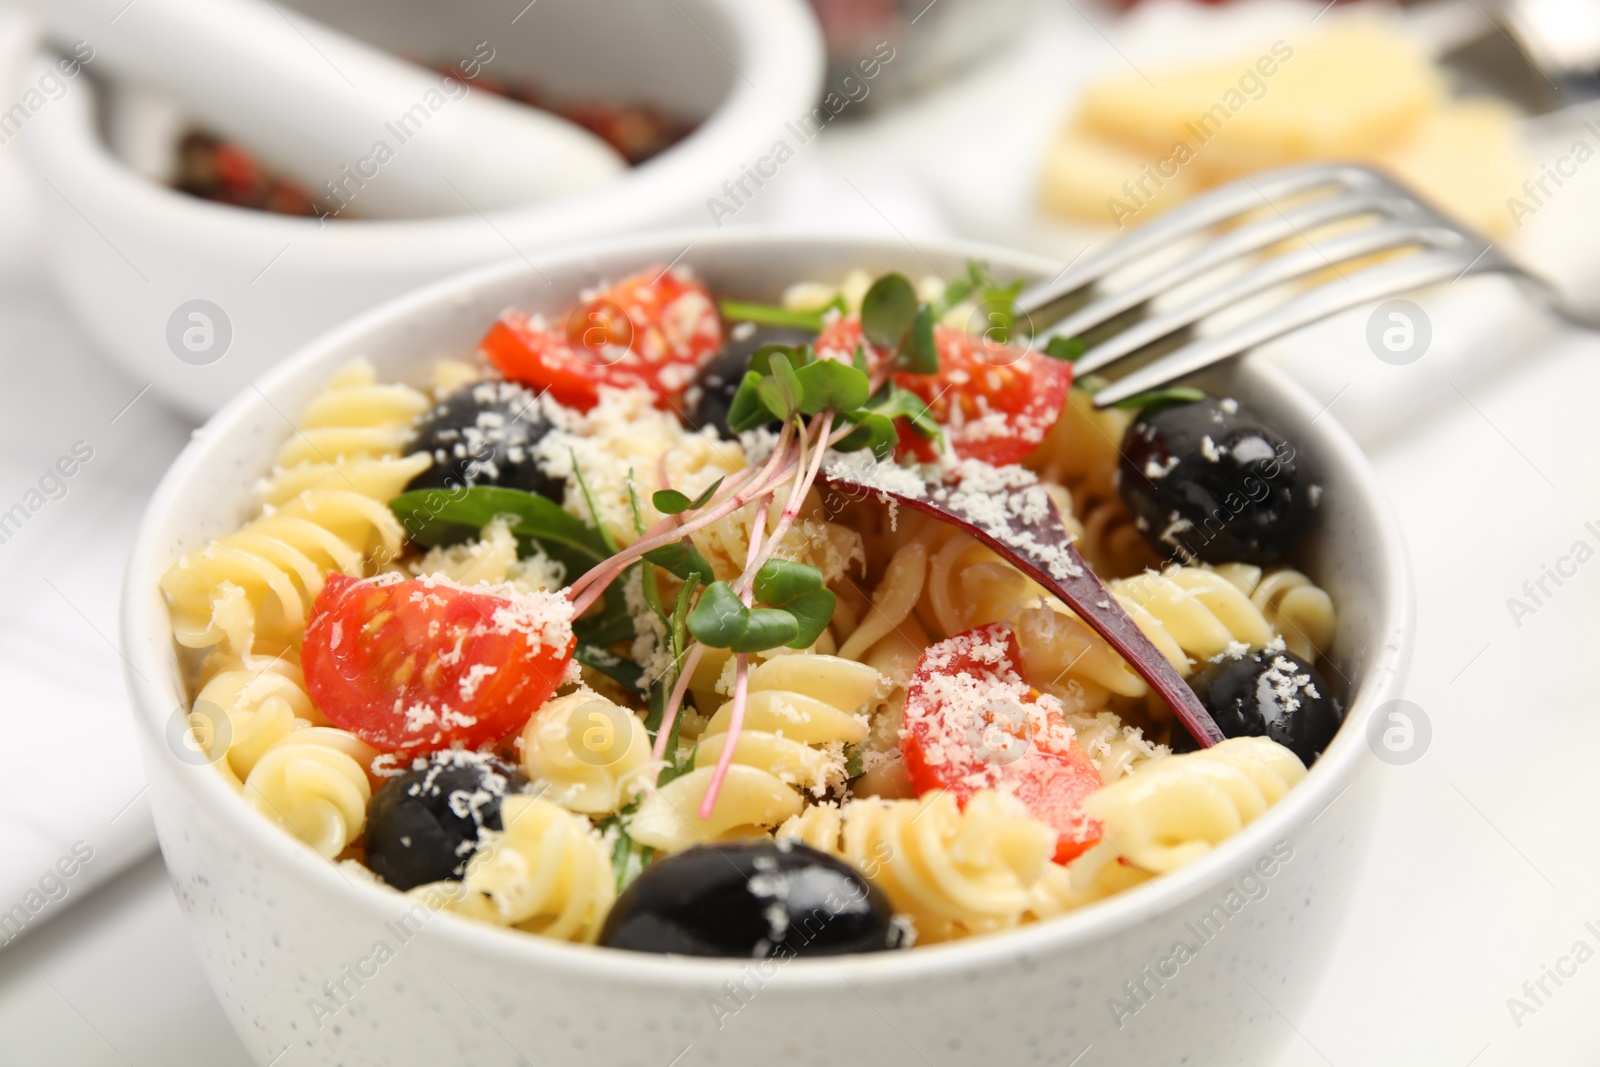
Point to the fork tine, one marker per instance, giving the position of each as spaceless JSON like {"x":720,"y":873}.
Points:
{"x":1374,"y":283}
{"x":1280,"y":269}
{"x":1228,"y":247}
{"x":1203,"y":212}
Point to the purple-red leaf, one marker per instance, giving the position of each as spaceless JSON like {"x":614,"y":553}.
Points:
{"x":1006,"y":509}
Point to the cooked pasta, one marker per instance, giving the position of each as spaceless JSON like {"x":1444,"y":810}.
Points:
{"x":254,"y":705}
{"x":313,"y":782}
{"x":1177,"y":809}
{"x":802,"y":711}
{"x":869,"y":680}
{"x":589,"y":754}
{"x":954,"y":872}
{"x":1295,"y":607}
{"x":547,"y":872}
{"x":350,"y":437}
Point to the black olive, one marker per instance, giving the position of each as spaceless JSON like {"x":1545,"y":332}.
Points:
{"x":1267,"y":693}
{"x":424,"y":825}
{"x":712,"y":392}
{"x":484,"y":434}
{"x":756,"y":900}
{"x":1211,"y":480}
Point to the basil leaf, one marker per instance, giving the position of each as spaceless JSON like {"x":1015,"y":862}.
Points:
{"x":780,"y":581}
{"x":624,"y":672}
{"x":771,"y":315}
{"x":766,"y":628}
{"x":921,"y":356}
{"x":746,"y":411}
{"x":444,"y":516}
{"x":888,"y":309}
{"x":681,"y":560}
{"x":830,"y":384}
{"x":1065,"y":348}
{"x":720,"y":618}
{"x":811,"y":612}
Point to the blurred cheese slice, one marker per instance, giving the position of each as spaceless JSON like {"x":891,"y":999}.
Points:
{"x":1464,"y":159}
{"x":1347,"y":91}
{"x":1093,"y":178}
{"x":1354,"y":90}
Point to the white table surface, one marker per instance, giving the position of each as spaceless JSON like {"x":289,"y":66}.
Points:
{"x":1484,"y":869}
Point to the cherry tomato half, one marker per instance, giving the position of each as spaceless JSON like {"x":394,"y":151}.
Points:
{"x":972,"y":723}
{"x":654,"y":329}
{"x":420,"y":665}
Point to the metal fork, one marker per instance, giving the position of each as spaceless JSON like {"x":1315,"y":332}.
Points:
{"x":1378,"y":216}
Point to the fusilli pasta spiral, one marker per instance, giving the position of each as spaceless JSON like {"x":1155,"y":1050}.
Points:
{"x":313,"y":782}
{"x":1295,"y":607}
{"x":249,"y":707}
{"x":1177,"y":809}
{"x":802,"y":711}
{"x":350,"y":437}
{"x":547,"y":872}
{"x":954,"y":872}
{"x":591,"y":755}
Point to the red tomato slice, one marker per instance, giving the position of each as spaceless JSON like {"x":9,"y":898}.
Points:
{"x":996,"y":402}
{"x":420,"y":665}
{"x":972,"y":723}
{"x":654,"y":330}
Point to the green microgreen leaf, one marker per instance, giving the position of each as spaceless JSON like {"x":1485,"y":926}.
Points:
{"x":1065,"y":348}
{"x":672,"y":502}
{"x":781,"y":580}
{"x":766,"y":628}
{"x":633,"y":505}
{"x":747,"y":411}
{"x":830,"y":384}
{"x":797,"y":355}
{"x":720,"y":618}
{"x":811,"y":613}
{"x":921,"y":355}
{"x":772,"y":315}
{"x":1177,"y":394}
{"x":858,"y":359}
{"x":888,"y":309}
{"x":873,"y":431}
{"x":780,"y":391}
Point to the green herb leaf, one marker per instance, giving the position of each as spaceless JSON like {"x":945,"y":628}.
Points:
{"x":1066,"y":348}
{"x":858,"y":359}
{"x":854,"y":765}
{"x":1177,"y":394}
{"x":682,"y":763}
{"x":681,"y":560}
{"x":766,"y":628}
{"x":797,"y":355}
{"x":781,"y":580}
{"x":872,"y":431}
{"x":771,"y":315}
{"x":921,"y":355}
{"x":447,"y":516}
{"x":747,"y":411}
{"x":720,"y":618}
{"x":830,"y":384}
{"x":672,"y":502}
{"x":624,"y":672}
{"x":781,"y":391}
{"x":633,"y":505}
{"x":628,"y":857}
{"x":811,"y":613}
{"x":888,"y":309}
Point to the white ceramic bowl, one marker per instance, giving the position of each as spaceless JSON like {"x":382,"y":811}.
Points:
{"x":126,"y":253}
{"x":274,"y":921}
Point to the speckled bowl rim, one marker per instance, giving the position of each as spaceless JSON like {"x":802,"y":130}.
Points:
{"x":150,"y":657}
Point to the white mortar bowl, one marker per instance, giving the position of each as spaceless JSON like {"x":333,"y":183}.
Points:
{"x":126,"y":253}
{"x":273,"y":921}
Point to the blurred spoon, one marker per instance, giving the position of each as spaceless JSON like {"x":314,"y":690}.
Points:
{"x":356,"y":125}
